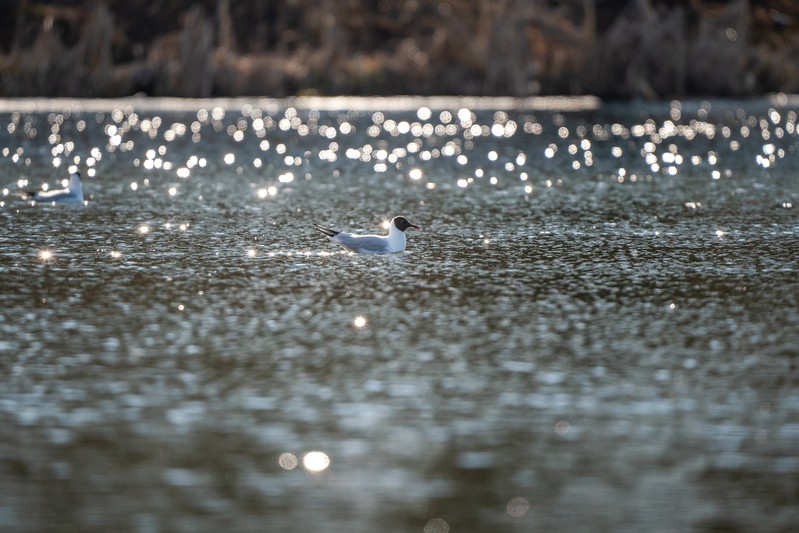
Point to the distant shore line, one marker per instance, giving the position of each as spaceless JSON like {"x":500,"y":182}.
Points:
{"x":366,"y":103}
{"x":322,"y":103}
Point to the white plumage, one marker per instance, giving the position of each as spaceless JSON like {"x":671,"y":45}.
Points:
{"x":372,"y":244}
{"x":73,"y":194}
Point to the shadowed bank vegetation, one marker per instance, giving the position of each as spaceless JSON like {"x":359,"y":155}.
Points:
{"x":612,"y":48}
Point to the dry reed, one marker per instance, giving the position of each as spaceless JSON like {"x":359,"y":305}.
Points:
{"x":644,"y":48}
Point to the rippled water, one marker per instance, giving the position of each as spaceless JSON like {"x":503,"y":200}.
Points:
{"x":596,"y":329}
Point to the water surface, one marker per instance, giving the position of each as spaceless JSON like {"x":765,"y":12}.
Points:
{"x":596,"y":328}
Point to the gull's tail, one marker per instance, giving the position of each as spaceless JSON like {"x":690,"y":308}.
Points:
{"x":27,"y":195}
{"x":327,"y":231}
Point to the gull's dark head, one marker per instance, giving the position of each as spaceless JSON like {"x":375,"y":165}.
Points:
{"x":402,"y":223}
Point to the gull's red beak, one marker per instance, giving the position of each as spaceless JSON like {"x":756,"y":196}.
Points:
{"x":414,"y":226}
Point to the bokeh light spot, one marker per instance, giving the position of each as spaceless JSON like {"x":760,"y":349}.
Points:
{"x":562,"y":427}
{"x":288,"y":461}
{"x":436,"y":525}
{"x":315,"y":461}
{"x":518,"y":507}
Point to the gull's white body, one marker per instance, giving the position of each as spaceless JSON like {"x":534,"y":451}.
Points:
{"x":73,"y":194}
{"x":375,"y":244}
{"x":394,"y":242}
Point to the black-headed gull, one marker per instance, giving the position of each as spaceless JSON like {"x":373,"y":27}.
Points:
{"x":372,"y":244}
{"x":73,"y":194}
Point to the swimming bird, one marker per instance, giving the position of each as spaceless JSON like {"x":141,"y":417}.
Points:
{"x":73,"y":194}
{"x":372,"y":244}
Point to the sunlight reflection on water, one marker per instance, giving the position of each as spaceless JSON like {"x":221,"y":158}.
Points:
{"x":601,"y":302}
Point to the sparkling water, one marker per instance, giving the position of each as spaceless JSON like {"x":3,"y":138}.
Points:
{"x":597,"y":327}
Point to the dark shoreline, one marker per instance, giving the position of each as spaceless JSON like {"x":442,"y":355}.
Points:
{"x":615,"y":49}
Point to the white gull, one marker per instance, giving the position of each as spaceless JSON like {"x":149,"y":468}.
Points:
{"x":73,"y":194}
{"x":372,"y":244}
